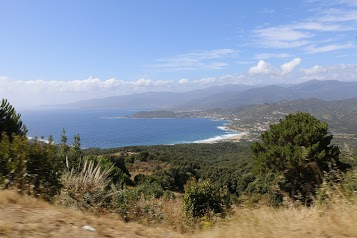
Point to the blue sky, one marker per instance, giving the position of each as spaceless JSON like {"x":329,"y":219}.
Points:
{"x":62,"y":51}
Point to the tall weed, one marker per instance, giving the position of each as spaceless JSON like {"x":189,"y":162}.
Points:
{"x":86,"y":189}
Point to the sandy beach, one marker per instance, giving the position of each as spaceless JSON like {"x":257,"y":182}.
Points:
{"x":235,"y":138}
{"x":229,"y":137}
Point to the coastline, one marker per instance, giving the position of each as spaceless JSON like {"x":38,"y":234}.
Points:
{"x":233,"y":136}
{"x":224,"y":138}
{"x":236,"y":138}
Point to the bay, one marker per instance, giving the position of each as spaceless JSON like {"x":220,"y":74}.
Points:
{"x":108,"y":129}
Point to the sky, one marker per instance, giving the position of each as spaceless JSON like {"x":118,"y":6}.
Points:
{"x":62,"y":51}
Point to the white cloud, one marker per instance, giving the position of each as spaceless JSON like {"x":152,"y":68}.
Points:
{"x":40,"y":92}
{"x":264,"y":56}
{"x":319,"y":26}
{"x":348,"y":2}
{"x":261,"y":68}
{"x":264,"y":68}
{"x":321,"y":49}
{"x":339,"y":15}
{"x":194,"y":60}
{"x":289,"y":66}
{"x":282,"y":33}
{"x":282,"y":37}
{"x":183,"y":81}
{"x":314,"y":70}
{"x":342,"y":72}
{"x":298,"y":34}
{"x":335,"y":16}
{"x":334,"y":2}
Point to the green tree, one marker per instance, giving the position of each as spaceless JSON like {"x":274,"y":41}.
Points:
{"x":63,"y":148}
{"x":75,"y":152}
{"x":10,"y":122}
{"x":13,"y":158}
{"x":33,"y":167}
{"x":298,"y":151}
{"x":44,"y":168}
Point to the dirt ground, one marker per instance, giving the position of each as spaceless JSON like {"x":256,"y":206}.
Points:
{"x":29,"y":217}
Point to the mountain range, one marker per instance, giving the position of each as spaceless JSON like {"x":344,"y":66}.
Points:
{"x":225,"y":97}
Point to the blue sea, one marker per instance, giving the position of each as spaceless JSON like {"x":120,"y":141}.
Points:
{"x":108,"y":128}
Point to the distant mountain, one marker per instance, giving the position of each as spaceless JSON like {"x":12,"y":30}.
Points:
{"x":227,"y":96}
{"x":158,"y":100}
{"x":326,"y":90}
{"x":260,"y":95}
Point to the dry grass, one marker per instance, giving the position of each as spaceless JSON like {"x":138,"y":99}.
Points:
{"x":28,"y":217}
{"x":174,"y":217}
{"x":337,"y":220}
{"x":146,"y":168}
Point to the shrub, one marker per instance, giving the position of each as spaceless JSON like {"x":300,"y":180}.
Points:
{"x":44,"y":169}
{"x":32,"y":167}
{"x":149,"y":190}
{"x":134,"y":206}
{"x":13,"y":158}
{"x":204,"y":197}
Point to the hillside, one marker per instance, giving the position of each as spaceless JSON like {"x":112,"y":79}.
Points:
{"x":29,"y":217}
{"x":324,"y":90}
{"x":341,"y":115}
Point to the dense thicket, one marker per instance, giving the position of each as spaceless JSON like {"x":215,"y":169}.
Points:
{"x":227,"y":164}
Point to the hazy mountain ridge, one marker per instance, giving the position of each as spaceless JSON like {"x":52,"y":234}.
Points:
{"x":227,"y":96}
{"x":157,"y":100}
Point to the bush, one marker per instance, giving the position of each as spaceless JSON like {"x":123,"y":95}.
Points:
{"x":132,"y":205}
{"x":149,"y":190}
{"x":44,"y":169}
{"x":120,"y":174}
{"x":13,"y":161}
{"x":204,"y":197}
{"x":32,"y":167}
{"x":265,"y":190}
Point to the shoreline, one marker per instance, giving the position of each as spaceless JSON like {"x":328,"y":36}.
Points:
{"x":224,"y":138}
{"x":236,"y":138}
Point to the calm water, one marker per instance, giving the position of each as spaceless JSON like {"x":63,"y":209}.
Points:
{"x":105,"y":128}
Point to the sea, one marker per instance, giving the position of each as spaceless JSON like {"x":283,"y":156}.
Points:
{"x":110,"y":128}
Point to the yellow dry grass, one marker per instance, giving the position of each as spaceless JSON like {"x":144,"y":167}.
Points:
{"x":336,"y":220}
{"x":28,"y":217}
